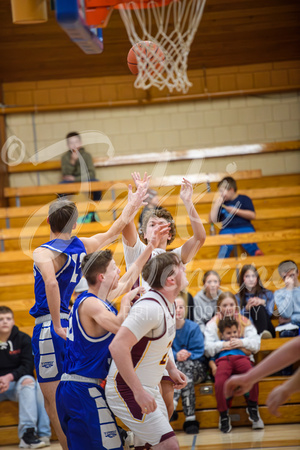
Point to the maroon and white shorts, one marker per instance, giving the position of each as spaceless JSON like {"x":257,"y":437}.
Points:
{"x":150,"y":428}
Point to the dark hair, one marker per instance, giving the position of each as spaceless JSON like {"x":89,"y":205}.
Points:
{"x":286,"y":266}
{"x":208,"y":273}
{"x":227,"y":322}
{"x":6,"y":310}
{"x":259,"y":289}
{"x":73,"y":134}
{"x":161,"y":213}
{"x":95,"y":263}
{"x":228,"y":183}
{"x":63,"y":214}
{"x":158,"y":269}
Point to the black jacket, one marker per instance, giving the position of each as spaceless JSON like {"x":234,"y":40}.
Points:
{"x":16,"y":355}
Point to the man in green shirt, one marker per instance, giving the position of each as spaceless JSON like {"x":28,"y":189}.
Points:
{"x":77,"y":164}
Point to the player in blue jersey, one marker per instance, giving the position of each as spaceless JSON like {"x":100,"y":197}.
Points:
{"x":81,"y":405}
{"x":57,"y":270}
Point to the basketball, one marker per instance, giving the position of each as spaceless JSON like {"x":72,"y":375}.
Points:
{"x":151,"y":56}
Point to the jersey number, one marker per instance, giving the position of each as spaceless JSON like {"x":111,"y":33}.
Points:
{"x":165,"y":357}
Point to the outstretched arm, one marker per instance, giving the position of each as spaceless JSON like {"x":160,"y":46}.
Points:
{"x":190,"y":248}
{"x":129,"y":232}
{"x":127,"y":281}
{"x":277,"y":360}
{"x":100,"y":240}
{"x":43,"y":259}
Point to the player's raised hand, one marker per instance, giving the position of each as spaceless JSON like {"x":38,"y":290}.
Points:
{"x":127,"y":299}
{"x":137,"y":198}
{"x":237,"y":385}
{"x":186,"y":191}
{"x":159,"y":232}
{"x":146,"y":401}
{"x":138,"y":181}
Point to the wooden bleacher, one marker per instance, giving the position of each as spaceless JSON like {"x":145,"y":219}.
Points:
{"x":276,"y":201}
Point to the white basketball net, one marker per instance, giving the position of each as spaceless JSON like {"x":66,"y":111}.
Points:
{"x":172,"y":27}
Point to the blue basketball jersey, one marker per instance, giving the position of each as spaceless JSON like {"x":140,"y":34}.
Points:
{"x":67,"y":277}
{"x":85,"y":355}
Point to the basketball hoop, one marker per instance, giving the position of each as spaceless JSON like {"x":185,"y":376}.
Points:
{"x":171,"y":25}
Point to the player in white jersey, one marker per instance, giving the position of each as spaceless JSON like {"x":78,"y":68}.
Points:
{"x":140,"y":355}
{"x":133,"y":247}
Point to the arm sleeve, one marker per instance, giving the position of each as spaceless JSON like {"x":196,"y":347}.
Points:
{"x":284,"y":302}
{"x":198,"y":315}
{"x":213,"y":345}
{"x":66,"y":167}
{"x":90,"y":167}
{"x":145,"y":318}
{"x":251,"y":340}
{"x":27,"y":363}
{"x":196,"y":344}
{"x":247,"y":203}
{"x":131,"y":254}
{"x":269,"y":302}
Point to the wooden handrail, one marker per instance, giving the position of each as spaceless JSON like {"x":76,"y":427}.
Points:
{"x":150,"y":158}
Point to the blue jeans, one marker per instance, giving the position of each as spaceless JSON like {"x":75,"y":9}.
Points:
{"x":225,"y":250}
{"x":32,"y":413}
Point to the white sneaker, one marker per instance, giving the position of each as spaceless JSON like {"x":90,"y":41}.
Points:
{"x":46,"y":440}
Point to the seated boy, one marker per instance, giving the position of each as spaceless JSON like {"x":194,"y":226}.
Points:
{"x":228,"y":362}
{"x":235,"y":211}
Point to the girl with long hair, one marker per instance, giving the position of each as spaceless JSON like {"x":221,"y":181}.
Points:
{"x":255,"y":301}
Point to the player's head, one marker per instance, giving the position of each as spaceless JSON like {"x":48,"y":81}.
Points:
{"x":155,"y":217}
{"x":228,"y":328}
{"x":165,"y":271}
{"x":74,"y":140}
{"x":6,"y":320}
{"x":288,"y":268}
{"x":227,"y":188}
{"x":63,"y":215}
{"x":227,"y":304}
{"x":101,"y":267}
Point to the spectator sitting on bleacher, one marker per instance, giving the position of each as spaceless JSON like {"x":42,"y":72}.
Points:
{"x":235,"y":211}
{"x":288,"y":304}
{"x":248,"y":339}
{"x":256,"y":302}
{"x":77,"y":164}
{"x":205,"y":301}
{"x":188,"y":351}
{"x":288,"y":299}
{"x":18,"y":384}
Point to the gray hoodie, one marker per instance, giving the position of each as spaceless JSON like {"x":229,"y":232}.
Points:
{"x":204,"y":308}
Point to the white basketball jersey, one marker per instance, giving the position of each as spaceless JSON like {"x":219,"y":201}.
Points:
{"x":150,"y":354}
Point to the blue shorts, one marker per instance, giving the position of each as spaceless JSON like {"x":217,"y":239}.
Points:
{"x":49,"y":351}
{"x":85,"y":417}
